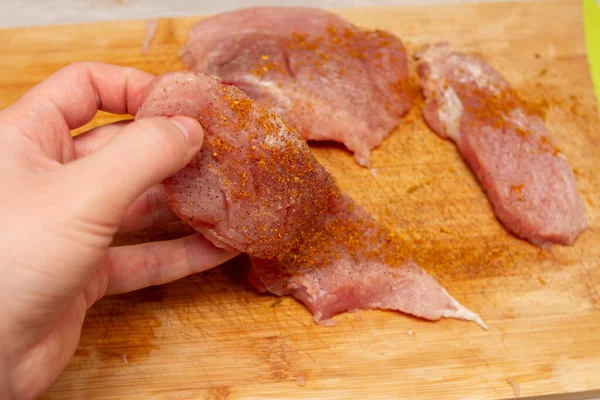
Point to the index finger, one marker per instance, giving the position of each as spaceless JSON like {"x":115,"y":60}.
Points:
{"x":79,"y":90}
{"x":70,"y":98}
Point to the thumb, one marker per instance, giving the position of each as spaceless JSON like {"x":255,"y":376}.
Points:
{"x":146,"y":152}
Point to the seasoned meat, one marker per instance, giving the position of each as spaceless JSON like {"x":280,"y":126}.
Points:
{"x":327,"y":78}
{"x":525,"y":176}
{"x":255,"y":186}
{"x":354,"y":263}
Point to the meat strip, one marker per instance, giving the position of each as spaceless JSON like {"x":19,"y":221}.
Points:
{"x":504,"y":140}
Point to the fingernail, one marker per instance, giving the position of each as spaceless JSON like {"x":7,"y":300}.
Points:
{"x":190,"y":128}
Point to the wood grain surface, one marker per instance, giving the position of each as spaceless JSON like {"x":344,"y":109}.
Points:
{"x":210,"y":336}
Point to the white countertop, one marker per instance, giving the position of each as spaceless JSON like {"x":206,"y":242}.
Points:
{"x":51,"y":12}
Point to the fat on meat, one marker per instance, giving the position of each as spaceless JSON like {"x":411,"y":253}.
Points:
{"x":504,"y":140}
{"x":326,"y":77}
{"x":255,"y":187}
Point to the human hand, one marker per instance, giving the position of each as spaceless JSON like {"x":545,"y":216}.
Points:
{"x":62,"y":199}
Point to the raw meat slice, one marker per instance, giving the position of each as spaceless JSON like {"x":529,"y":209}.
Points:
{"x":354,"y":263}
{"x":255,"y":187}
{"x":324,"y":76}
{"x":504,"y":140}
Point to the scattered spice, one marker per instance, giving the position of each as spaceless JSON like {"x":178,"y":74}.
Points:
{"x":413,"y":189}
{"x":547,"y":145}
{"x":574,"y":105}
{"x":517,"y":188}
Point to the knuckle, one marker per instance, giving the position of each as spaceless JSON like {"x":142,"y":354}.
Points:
{"x":78,"y":68}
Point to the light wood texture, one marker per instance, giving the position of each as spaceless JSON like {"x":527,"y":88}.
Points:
{"x":210,"y":336}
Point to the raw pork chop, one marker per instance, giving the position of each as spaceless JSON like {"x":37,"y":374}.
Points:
{"x":525,"y":176}
{"x":327,"y":78}
{"x":255,"y":187}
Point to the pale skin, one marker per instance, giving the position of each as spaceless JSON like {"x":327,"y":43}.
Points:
{"x":62,"y":200}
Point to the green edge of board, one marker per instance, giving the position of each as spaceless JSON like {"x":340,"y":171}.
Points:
{"x":591,"y":21}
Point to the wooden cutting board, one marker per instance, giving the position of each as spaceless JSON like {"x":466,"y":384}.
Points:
{"x":210,"y":336}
